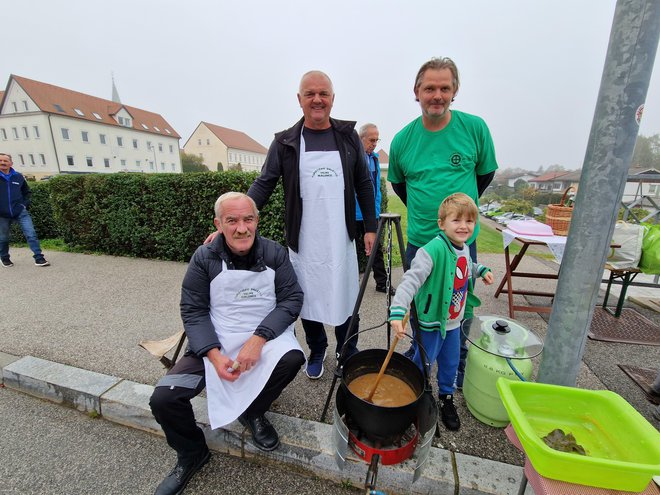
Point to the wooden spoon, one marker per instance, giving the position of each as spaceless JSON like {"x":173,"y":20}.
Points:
{"x":387,"y":360}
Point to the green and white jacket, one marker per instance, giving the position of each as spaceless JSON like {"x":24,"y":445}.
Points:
{"x":430,"y":281}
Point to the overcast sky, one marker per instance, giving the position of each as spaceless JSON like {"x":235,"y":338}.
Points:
{"x":531,"y":69}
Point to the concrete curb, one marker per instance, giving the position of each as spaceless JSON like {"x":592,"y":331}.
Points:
{"x":305,"y":445}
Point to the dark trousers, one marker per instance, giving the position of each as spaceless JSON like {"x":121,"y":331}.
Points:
{"x":317,"y":340}
{"x":170,"y":402}
{"x":411,"y":251}
{"x":380,"y":275}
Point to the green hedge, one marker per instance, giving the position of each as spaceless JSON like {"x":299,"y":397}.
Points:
{"x":162,"y":216}
{"x":158,"y":216}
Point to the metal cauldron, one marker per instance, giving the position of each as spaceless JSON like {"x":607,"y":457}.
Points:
{"x":378,"y":422}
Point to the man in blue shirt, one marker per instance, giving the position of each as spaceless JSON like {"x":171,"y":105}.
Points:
{"x":370,"y":137}
{"x":14,"y":200}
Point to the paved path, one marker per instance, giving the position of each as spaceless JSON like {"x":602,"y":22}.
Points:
{"x":90,"y":312}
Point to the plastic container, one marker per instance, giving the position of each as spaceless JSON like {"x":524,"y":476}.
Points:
{"x":623,"y":449}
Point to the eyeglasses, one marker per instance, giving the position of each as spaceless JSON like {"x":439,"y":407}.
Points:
{"x":373,"y":141}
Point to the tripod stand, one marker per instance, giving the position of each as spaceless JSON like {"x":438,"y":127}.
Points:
{"x":387,"y":220}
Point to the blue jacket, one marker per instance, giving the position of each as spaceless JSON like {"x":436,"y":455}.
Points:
{"x":15,"y":194}
{"x":377,"y":194}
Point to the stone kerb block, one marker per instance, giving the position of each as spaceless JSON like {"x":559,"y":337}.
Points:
{"x":73,"y":387}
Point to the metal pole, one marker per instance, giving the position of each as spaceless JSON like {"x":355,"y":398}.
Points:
{"x":624,"y":84}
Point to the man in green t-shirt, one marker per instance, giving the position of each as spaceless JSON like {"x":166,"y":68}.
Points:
{"x":441,"y":152}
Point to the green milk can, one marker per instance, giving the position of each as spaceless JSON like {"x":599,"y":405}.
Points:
{"x":500,"y":347}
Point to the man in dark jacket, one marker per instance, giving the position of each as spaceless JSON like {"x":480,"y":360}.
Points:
{"x":15,"y":197}
{"x":239,"y":301}
{"x":321,"y":163}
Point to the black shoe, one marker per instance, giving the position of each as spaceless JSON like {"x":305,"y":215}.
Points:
{"x":263,"y":433}
{"x":176,"y":481}
{"x":41,"y":261}
{"x":383,"y":289}
{"x":6,"y":262}
{"x":448,"y":412}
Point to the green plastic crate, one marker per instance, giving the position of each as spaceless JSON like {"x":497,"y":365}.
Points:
{"x":623,"y":449}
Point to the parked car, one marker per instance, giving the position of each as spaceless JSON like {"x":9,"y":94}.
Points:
{"x":504,"y":217}
{"x":537,"y":211}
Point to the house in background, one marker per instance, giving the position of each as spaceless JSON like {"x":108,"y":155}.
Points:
{"x":216,"y":144}
{"x":510,"y":180}
{"x":643,"y":184}
{"x":50,"y":130}
{"x":555,"y":182}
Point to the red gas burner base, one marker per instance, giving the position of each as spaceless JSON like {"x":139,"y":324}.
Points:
{"x":391,"y":454}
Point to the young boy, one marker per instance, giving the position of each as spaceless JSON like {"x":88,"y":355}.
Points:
{"x":14,"y":199}
{"x":440,"y":281}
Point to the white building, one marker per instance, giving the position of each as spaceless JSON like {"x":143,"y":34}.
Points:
{"x":215,"y":144}
{"x":50,"y":130}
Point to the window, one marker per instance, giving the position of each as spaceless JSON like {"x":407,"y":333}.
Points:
{"x":199,"y":142}
{"x":157,"y":129}
{"x":162,"y":165}
{"x":653,"y":188}
{"x":160,"y":147}
{"x":135,"y":143}
{"x":43,"y":158}
{"x":58,"y":108}
{"x":14,"y":131}
{"x":13,"y":104}
{"x":145,"y":126}
{"x":208,"y":141}
{"x":97,"y":116}
{"x":151,"y":165}
{"x":149,"y":145}
{"x":102,"y":138}
{"x":85,"y":136}
{"x":26,"y":134}
{"x":171,"y":149}
{"x":69,"y":160}
{"x":4,"y":134}
{"x":168,"y":131}
{"x":21,"y":159}
{"x":79,"y":112}
{"x":120,"y":141}
{"x":90,"y":162}
{"x":25,"y":105}
{"x":65,"y":133}
{"x":35,"y":130}
{"x":138,"y":164}
{"x":123,"y":163}
{"x":106,"y":162}
{"x":126,"y":122}
{"x":32,"y":162}
{"x":173,"y":167}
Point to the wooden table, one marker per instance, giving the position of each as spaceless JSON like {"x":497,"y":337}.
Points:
{"x":511,"y":271}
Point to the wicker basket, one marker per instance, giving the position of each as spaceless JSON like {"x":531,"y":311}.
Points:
{"x":558,"y":217}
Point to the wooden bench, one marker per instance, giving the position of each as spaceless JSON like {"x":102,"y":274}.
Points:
{"x":626,"y":277}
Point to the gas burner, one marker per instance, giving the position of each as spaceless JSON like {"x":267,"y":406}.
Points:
{"x":390,"y":451}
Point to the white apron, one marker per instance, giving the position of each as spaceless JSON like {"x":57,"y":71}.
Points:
{"x":240,"y":300}
{"x":326,"y":262}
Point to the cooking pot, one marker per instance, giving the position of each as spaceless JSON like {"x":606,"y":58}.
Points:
{"x":378,"y":422}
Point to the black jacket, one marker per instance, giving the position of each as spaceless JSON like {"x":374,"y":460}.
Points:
{"x":206,"y":264}
{"x":15,"y":194}
{"x":283,"y":160}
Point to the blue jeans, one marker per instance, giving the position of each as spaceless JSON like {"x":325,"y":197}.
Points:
{"x":411,"y":251}
{"x":443,"y":351}
{"x":317,"y":340}
{"x":25,"y":220}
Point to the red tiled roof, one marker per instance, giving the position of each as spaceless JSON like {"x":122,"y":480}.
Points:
{"x":549,"y":176}
{"x":235,"y":139}
{"x":382,"y":156}
{"x":46,"y":96}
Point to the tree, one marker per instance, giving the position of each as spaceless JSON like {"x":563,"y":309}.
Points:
{"x":236,"y":167}
{"x":518,"y":206}
{"x":488,"y":198}
{"x":192,"y":163}
{"x":555,"y":168}
{"x":647,"y":152}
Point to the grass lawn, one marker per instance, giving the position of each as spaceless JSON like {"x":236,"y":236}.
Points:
{"x":489,"y":240}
